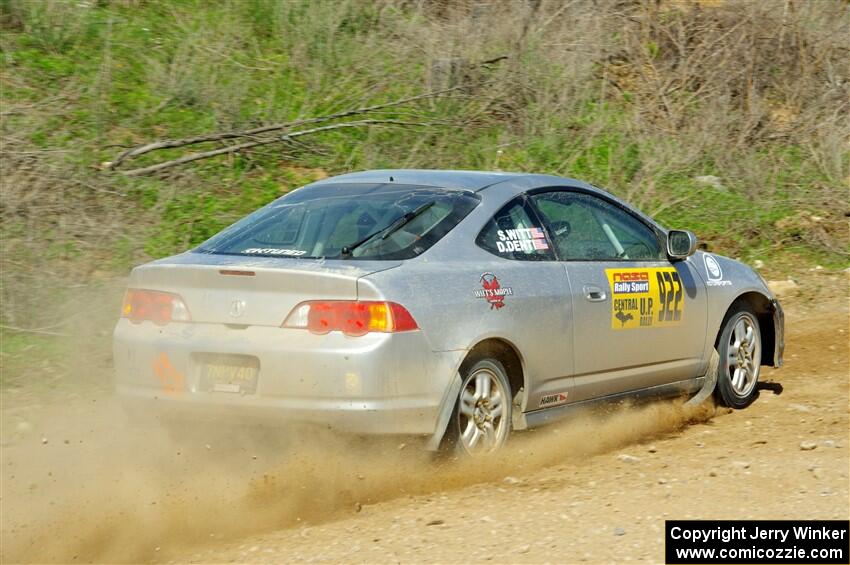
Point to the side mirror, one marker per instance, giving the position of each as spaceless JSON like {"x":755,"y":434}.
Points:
{"x":681,"y":244}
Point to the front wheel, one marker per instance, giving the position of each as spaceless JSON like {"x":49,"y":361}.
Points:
{"x":481,"y":420}
{"x":740,"y":359}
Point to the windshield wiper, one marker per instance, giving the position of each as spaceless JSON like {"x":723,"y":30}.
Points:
{"x":387,"y":231}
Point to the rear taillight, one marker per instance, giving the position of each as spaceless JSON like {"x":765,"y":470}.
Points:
{"x":351,"y":317}
{"x":158,"y":307}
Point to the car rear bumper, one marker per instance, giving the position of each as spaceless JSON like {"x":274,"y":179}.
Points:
{"x":373,"y":384}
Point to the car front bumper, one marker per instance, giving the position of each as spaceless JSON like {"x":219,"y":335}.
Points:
{"x":372,"y":384}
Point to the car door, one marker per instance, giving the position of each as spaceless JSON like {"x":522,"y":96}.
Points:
{"x":639,"y":320}
{"x":540,"y":315}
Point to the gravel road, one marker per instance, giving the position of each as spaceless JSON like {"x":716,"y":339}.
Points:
{"x":83,"y":483}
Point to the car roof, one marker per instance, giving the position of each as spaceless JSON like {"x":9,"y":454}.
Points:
{"x":464,"y":180}
{"x":510,"y":184}
{"x":475,"y":181}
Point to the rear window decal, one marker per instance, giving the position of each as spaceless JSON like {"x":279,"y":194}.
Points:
{"x":274,"y":251}
{"x":526,"y":240}
{"x":645,"y":298}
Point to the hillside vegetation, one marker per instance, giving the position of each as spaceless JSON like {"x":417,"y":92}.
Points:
{"x":728,"y":118}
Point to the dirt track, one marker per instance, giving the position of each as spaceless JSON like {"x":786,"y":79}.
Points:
{"x":592,"y":489}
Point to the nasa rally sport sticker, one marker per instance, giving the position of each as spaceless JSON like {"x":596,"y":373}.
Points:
{"x":645,"y":298}
{"x":713,"y":272}
{"x":492,"y":291}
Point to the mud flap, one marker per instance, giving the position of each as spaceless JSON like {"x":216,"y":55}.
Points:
{"x":447,"y":406}
{"x":710,"y":381}
{"x":518,"y":421}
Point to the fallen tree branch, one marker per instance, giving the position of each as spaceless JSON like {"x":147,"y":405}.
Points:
{"x":172,"y":143}
{"x":264,"y":141}
{"x":33,"y":331}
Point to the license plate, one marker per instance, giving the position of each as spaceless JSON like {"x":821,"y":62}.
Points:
{"x":231,"y":373}
{"x":235,"y":374}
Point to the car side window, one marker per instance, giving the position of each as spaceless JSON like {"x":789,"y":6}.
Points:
{"x":514,"y":233}
{"x":586,"y":228}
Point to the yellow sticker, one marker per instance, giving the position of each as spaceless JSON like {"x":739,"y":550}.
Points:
{"x":645,"y":298}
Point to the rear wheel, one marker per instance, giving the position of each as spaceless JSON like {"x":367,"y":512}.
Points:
{"x":740,"y":358}
{"x":481,"y":420}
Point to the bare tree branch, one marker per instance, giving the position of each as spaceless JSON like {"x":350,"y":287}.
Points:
{"x":167,"y":144}
{"x":264,"y":141}
{"x":33,"y":331}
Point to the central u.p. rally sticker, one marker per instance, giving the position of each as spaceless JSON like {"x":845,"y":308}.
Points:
{"x":645,"y":298}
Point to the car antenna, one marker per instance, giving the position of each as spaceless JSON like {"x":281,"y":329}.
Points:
{"x":392,"y":179}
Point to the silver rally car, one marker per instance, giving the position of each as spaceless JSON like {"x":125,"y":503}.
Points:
{"x":450,"y":304}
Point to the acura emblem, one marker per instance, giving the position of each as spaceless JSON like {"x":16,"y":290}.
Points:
{"x":237,"y":308}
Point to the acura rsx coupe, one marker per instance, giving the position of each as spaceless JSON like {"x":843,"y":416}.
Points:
{"x":453,"y":305}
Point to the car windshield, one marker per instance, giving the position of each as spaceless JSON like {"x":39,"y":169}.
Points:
{"x":326,"y":221}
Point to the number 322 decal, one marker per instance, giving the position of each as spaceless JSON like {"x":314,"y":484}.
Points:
{"x":645,"y":298}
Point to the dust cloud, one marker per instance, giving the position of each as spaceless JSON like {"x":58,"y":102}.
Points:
{"x":83,"y":480}
{"x":158,"y":486}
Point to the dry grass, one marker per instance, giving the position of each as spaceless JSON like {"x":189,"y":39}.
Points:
{"x":641,"y":97}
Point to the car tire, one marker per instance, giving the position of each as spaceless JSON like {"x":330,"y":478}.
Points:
{"x":739,"y":346}
{"x":481,"y":419}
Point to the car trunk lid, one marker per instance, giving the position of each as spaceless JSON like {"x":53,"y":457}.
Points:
{"x":244,"y":291}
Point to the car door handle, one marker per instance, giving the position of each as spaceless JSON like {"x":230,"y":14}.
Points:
{"x":594,"y":293}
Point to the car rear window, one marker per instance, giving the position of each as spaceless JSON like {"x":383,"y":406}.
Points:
{"x":327,"y":221}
